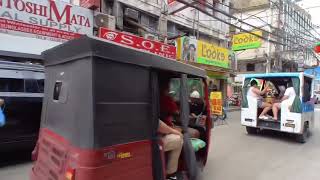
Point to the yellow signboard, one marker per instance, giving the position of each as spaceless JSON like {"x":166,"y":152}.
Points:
{"x":216,"y":102}
{"x":245,"y":41}
{"x":192,"y":50}
{"x":211,"y":54}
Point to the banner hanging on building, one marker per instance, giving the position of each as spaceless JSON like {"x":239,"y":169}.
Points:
{"x":245,"y":41}
{"x":136,"y":42}
{"x":192,"y":50}
{"x":45,"y":19}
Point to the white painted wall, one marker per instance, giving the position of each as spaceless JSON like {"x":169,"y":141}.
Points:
{"x":261,"y":21}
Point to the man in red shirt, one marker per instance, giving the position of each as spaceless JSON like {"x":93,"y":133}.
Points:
{"x":169,"y":109}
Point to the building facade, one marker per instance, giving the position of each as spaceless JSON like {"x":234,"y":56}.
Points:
{"x":172,"y":22}
{"x":166,"y":21}
{"x":290,"y":27}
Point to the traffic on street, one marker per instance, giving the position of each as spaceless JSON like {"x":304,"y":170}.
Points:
{"x":234,"y":155}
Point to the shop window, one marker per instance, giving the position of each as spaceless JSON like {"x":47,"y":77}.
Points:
{"x":41,"y":85}
{"x":251,"y":67}
{"x":34,"y":85}
{"x":194,"y":84}
{"x":11,"y":85}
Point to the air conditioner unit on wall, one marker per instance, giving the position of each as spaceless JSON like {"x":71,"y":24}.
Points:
{"x":104,"y":20}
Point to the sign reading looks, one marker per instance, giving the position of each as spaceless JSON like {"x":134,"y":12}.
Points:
{"x":192,"y":50}
{"x":211,"y":54}
{"x":136,"y":42}
{"x":44,"y":19}
{"x":246,"y":41}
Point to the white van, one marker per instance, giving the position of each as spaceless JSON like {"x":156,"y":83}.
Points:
{"x":296,"y":118}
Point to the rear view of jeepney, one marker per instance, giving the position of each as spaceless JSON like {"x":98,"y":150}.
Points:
{"x":296,"y":116}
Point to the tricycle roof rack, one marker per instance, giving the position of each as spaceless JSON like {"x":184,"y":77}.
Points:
{"x":270,"y":75}
{"x":87,"y":46}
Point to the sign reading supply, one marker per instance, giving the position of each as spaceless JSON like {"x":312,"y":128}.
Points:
{"x":45,"y":19}
{"x":192,"y":50}
{"x":136,"y":42}
{"x":245,"y":41}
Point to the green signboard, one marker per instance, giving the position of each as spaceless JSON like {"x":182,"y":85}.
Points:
{"x":245,"y":41}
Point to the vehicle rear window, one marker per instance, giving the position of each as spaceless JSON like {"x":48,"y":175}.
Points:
{"x":11,"y":85}
{"x":31,"y":86}
{"x":41,"y":85}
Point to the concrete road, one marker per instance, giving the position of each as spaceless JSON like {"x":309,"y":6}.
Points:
{"x":234,"y":156}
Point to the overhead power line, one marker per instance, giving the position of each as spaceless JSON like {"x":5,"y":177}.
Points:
{"x":274,"y":34}
{"x":260,"y":18}
{"x":299,"y":23}
{"x":311,"y":7}
{"x":231,"y":16}
{"x":288,"y":25}
{"x":228,"y":23}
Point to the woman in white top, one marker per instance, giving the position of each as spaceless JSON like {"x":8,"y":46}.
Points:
{"x":256,"y":93}
{"x":289,"y":95}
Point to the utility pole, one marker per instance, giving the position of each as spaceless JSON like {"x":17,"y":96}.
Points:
{"x":269,"y":44}
{"x":280,"y":31}
{"x":163,"y":21}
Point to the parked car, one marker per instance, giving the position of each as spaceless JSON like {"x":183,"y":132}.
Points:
{"x":21,"y":89}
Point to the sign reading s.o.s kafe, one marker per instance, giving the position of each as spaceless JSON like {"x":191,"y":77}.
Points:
{"x":45,"y":19}
{"x":245,"y":41}
{"x":136,"y":42}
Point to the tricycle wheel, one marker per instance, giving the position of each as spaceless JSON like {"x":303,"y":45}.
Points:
{"x":302,"y":138}
{"x":251,"y":130}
